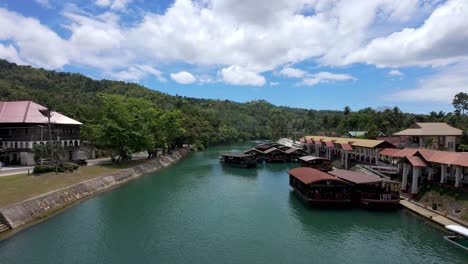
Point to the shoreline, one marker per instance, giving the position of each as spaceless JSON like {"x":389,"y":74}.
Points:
{"x":430,"y":214}
{"x":21,"y":215}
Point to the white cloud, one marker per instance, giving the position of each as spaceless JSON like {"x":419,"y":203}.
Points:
{"x":183,"y":77}
{"x":36,"y":44}
{"x":113,"y":4}
{"x":138,"y":72}
{"x":395,"y":72}
{"x":441,"y":40}
{"x":237,"y":75}
{"x":323,"y":77}
{"x":274,"y":83}
{"x":9,"y":53}
{"x":292,"y":72}
{"x":44,"y":3}
{"x":245,"y":38}
{"x":439,"y":88}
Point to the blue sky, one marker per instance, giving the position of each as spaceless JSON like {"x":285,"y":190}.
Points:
{"x":312,"y":54}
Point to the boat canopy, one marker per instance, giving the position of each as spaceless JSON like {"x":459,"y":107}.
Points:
{"x":458,"y":229}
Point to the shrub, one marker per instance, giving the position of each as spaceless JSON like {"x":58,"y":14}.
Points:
{"x":198,"y":146}
{"x":43,"y":169}
{"x":69,"y":166}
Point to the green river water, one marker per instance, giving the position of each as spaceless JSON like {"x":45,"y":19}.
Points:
{"x":198,"y":211}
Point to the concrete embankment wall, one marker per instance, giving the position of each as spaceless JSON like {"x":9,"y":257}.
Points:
{"x":46,"y":204}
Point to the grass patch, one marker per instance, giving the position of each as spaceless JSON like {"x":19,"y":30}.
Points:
{"x":19,"y":187}
{"x":452,"y":200}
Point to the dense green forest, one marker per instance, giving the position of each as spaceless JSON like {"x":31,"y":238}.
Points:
{"x":199,"y":121}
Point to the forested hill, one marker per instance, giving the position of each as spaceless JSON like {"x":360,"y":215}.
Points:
{"x":206,"y":121}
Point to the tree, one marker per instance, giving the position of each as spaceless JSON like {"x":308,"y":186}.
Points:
{"x":460,"y":102}
{"x":126,"y":125}
{"x":347,"y":110}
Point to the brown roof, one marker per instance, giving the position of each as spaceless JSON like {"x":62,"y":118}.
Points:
{"x":292,"y":150}
{"x":389,"y":152}
{"x":264,"y":147}
{"x":235,"y":154}
{"x":416,"y":161}
{"x":355,"y":142}
{"x":356,"y":177}
{"x":254,"y":150}
{"x":310,"y":175}
{"x":445,"y":157}
{"x":346,"y":146}
{"x":28,"y":112}
{"x":271,"y":150}
{"x":405,"y":152}
{"x":430,"y":129}
{"x":329,"y":144}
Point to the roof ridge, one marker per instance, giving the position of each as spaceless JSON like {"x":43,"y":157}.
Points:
{"x":26,"y":112}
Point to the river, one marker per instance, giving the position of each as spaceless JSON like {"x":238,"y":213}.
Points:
{"x":198,"y":211}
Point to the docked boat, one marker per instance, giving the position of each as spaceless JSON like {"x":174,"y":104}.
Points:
{"x":318,"y":163}
{"x":461,"y":237}
{"x":318,"y":188}
{"x":238,"y":160}
{"x":369,"y":190}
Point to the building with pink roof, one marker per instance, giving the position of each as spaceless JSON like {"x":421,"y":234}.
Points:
{"x":22,"y":125}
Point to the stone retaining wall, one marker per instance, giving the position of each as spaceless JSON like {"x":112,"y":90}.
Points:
{"x":43,"y":205}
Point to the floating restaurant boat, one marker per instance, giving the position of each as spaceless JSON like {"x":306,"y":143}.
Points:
{"x":239,"y":160}
{"x":275,"y":155}
{"x":370,"y":190}
{"x":461,"y":239}
{"x":318,"y":163}
{"x":319,"y":188}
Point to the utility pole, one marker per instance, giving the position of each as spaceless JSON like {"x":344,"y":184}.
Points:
{"x":48,"y":113}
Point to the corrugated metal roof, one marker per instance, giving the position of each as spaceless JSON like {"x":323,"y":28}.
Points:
{"x":309,"y":175}
{"x":235,"y":154}
{"x":356,"y":177}
{"x":389,"y":152}
{"x":309,"y":158}
{"x":355,"y":142}
{"x":329,"y":144}
{"x":28,"y":112}
{"x":416,"y":161}
{"x":346,"y":146}
{"x":430,"y":129}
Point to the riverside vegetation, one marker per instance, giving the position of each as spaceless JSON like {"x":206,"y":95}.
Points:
{"x":124,"y":118}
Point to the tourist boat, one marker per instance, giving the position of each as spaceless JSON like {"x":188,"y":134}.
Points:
{"x":318,"y":188}
{"x":371,"y":191}
{"x":461,"y":239}
{"x":275,"y":155}
{"x":318,"y":163}
{"x":238,"y":160}
{"x":258,"y":154}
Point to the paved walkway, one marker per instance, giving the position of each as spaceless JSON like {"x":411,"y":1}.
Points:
{"x":14,"y":170}
{"x":435,"y":217}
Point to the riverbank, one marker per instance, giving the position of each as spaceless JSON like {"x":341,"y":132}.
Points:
{"x":432,"y":215}
{"x":44,"y":205}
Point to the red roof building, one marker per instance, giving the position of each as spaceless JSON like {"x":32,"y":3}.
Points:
{"x":24,"y":124}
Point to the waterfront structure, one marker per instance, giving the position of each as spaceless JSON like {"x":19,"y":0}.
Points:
{"x":370,"y":190}
{"x":321,"y":164}
{"x":294,"y":154}
{"x":432,"y":136}
{"x":444,"y":167}
{"x":319,"y":188}
{"x":363,"y":151}
{"x":275,"y":155}
{"x":22,"y":125}
{"x":238,"y":160}
{"x":258,"y":154}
